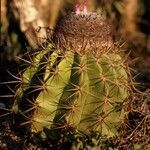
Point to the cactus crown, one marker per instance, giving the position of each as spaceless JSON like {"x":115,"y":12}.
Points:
{"x":84,"y":32}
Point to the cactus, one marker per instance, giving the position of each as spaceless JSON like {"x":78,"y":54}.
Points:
{"x":80,"y":81}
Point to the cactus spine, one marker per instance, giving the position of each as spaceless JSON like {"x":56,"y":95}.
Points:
{"x":75,"y":86}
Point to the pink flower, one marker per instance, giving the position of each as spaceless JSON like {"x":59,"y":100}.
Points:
{"x":77,"y":9}
{"x":81,"y":8}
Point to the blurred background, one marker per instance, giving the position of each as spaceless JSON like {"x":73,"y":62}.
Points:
{"x":25,"y":21}
{"x":26,"y":24}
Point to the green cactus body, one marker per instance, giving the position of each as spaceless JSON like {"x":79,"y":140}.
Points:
{"x":74,"y":88}
{"x":28,"y":74}
{"x":80,"y":91}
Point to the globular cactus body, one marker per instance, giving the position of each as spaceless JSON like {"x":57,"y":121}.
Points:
{"x":68,"y":87}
